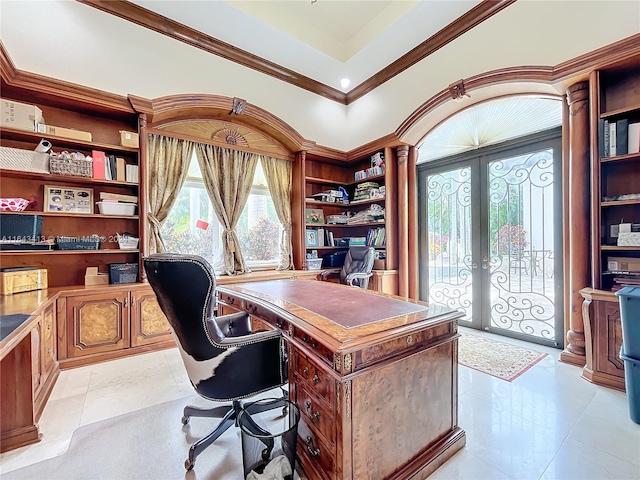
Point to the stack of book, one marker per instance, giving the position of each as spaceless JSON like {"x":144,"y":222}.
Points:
{"x":110,"y":167}
{"x":618,"y":137}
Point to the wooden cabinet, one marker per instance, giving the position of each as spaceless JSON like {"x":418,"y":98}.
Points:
{"x":615,"y":100}
{"x":46,"y":356}
{"x":370,"y":213}
{"x":104,"y":123}
{"x":111,"y":322}
{"x":148,"y":323}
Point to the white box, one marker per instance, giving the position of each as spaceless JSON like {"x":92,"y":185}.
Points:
{"x":629,"y":239}
{"x":126,"y":242}
{"x":113,"y":208}
{"x":18,"y":115}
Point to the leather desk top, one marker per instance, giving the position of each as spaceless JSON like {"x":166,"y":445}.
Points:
{"x":347,"y":306}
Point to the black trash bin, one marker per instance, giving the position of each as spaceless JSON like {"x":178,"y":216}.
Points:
{"x":269,"y":430}
{"x":629,"y":298}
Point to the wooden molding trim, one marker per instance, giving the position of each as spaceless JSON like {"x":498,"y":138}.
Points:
{"x":461,"y":25}
{"x":165,"y":26}
{"x":175,"y":108}
{"x":367,"y":149}
{"x":71,"y":93}
{"x":616,"y":53}
{"x":158,"y":23}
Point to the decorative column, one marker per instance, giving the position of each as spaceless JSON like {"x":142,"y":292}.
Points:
{"x":403,"y":221}
{"x":579,"y":234}
{"x":142,"y":194}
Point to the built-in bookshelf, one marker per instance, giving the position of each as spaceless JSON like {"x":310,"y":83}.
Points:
{"x":616,"y":177}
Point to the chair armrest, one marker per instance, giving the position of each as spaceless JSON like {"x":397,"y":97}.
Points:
{"x":327,"y":273}
{"x":356,"y":276}
{"x":233,"y":324}
{"x":251,"y":338}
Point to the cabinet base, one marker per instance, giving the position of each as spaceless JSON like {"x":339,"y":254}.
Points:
{"x":603,"y":379}
{"x":19,"y":437}
{"x":573,"y":359}
{"x":103,"y":357}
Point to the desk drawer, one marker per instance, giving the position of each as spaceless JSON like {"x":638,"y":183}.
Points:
{"x":316,"y":413}
{"x":317,"y":458}
{"x":316,"y":347}
{"x":319,"y":381}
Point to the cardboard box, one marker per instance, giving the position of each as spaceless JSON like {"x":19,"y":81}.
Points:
{"x":379,"y":264}
{"x":629,"y":239}
{"x":129,"y":139}
{"x":93,"y":277}
{"x":623,"y":264}
{"x":64,"y":132}
{"x":21,"y":116}
{"x":22,"y":279}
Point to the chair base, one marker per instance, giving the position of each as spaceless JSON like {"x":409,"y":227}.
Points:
{"x":229,"y":415}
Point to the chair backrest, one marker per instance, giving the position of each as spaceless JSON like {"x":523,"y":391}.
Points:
{"x":185,"y":288}
{"x":358,"y":260}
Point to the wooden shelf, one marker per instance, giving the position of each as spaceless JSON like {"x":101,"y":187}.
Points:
{"x":620,"y":202}
{"x":322,"y":181}
{"x":73,"y":215}
{"x":345,"y":225}
{"x":621,"y":158}
{"x":64,"y":178}
{"x":613,"y":248}
{"x":620,"y":111}
{"x":368,"y":179}
{"x":67,"y":252}
{"x":58,"y":142}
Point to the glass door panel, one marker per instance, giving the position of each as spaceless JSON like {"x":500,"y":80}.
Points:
{"x":521,"y":239}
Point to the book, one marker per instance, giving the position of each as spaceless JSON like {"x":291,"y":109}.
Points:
{"x":120,"y":169}
{"x":604,"y":151}
{"x":612,"y":139}
{"x":633,"y":138}
{"x":98,"y":164}
{"x":622,"y":136}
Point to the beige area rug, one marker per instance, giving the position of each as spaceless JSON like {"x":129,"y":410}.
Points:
{"x":499,"y":359}
{"x":146,"y":444}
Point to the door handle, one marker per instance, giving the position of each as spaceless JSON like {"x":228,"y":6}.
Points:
{"x":474,"y":265}
{"x":485,"y":266}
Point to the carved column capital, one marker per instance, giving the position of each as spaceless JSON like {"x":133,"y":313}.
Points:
{"x":578,"y":97}
{"x":403,"y":154}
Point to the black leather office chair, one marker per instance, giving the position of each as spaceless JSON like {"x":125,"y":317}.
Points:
{"x":225,"y":361}
{"x":357,"y":267}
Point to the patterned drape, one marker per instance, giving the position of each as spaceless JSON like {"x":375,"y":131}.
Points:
{"x":228,"y":177}
{"x":168,"y":160}
{"x":278,"y":174}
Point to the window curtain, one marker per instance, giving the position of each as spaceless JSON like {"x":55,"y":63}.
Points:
{"x":168,"y":164}
{"x":228,"y":177}
{"x":278,"y":175}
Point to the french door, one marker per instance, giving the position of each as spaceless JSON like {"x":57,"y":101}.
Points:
{"x":490,"y":237}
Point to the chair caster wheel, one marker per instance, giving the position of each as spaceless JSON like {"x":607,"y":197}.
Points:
{"x":185,"y":420}
{"x":189,"y":464}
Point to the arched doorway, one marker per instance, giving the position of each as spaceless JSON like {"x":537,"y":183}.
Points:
{"x":490,"y":240}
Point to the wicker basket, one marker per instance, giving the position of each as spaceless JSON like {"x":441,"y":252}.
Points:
{"x":23,"y":160}
{"x":71,"y":167}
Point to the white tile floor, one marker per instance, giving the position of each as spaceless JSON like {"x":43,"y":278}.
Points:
{"x":547,"y":424}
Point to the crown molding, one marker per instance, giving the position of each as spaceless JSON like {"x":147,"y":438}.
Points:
{"x":158,"y":23}
{"x":165,"y":26}
{"x":461,"y":25}
{"x":64,"y":92}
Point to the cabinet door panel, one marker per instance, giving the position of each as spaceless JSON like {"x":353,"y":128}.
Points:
{"x":49,"y":341}
{"x":97,"y":323}
{"x":148,"y":323}
{"x":36,"y":361}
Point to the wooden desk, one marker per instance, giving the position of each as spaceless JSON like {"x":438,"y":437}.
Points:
{"x":375,"y":377}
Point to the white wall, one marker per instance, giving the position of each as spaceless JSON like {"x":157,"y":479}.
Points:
{"x":79,"y":44}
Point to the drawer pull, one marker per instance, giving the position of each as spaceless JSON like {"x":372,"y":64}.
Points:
{"x":314,"y":452}
{"x":307,"y":339}
{"x":306,"y":370}
{"x":231,"y":300}
{"x":312,"y":416}
{"x":315,"y":379}
{"x":279,"y":323}
{"x":252,"y":308}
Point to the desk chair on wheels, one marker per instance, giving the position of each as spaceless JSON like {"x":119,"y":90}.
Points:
{"x":357,"y":267}
{"x":224,"y":360}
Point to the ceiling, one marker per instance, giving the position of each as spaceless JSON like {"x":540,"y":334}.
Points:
{"x":327,"y":40}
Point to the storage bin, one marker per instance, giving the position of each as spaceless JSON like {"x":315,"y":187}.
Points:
{"x":629,"y":298}
{"x":78,"y":243}
{"x":314,"y":263}
{"x":113,"y":208}
{"x":120,"y":273}
{"x":127,"y":242}
{"x":333,"y":260}
{"x":272,"y":451}
{"x":632,"y":383}
{"x":20,"y":228}
{"x":24,"y":160}
{"x":71,"y":167}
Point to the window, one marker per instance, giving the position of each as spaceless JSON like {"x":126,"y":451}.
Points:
{"x":192,"y":225}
